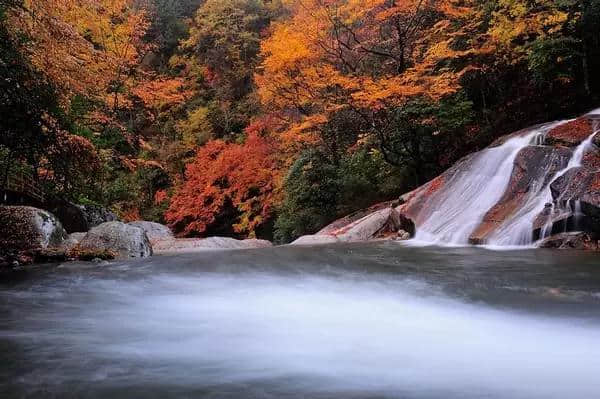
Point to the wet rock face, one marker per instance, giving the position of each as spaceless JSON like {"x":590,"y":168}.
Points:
{"x":534,"y":168}
{"x":581,"y":185}
{"x":422,"y":202}
{"x":124,"y":240}
{"x":24,"y":228}
{"x":570,"y":134}
{"x":576,"y":240}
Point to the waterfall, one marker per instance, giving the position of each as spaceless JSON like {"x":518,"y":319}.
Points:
{"x":460,"y":207}
{"x":518,"y":230}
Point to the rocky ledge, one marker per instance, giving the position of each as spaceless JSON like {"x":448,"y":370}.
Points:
{"x":381,"y":222}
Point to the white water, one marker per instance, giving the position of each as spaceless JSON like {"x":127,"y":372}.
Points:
{"x":313,"y":334}
{"x":518,"y":230}
{"x":460,"y":206}
{"x":467,"y":197}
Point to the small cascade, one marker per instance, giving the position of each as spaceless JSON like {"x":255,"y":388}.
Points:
{"x":518,"y":229}
{"x":460,"y":207}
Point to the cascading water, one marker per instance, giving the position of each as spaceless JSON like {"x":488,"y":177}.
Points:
{"x":518,"y":230}
{"x":454,"y":212}
{"x":469,"y":195}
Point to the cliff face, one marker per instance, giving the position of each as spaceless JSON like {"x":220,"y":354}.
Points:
{"x":534,"y":184}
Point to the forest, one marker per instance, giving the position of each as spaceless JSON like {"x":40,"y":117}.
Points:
{"x":272,"y":118}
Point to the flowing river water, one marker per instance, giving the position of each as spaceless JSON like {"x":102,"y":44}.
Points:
{"x":377,"y":320}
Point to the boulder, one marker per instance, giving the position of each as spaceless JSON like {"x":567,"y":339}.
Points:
{"x":79,"y":218}
{"x":124,"y":240}
{"x":154,"y":231}
{"x":570,"y":134}
{"x":97,"y":215}
{"x":318,"y":239}
{"x":381,"y":224}
{"x":25,"y":228}
{"x":526,"y":176}
{"x":576,"y":240}
{"x":72,"y":241}
{"x":352,"y":218}
{"x":71,"y":216}
{"x":204,"y":244}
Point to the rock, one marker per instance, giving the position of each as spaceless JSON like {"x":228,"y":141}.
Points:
{"x":204,"y":244}
{"x":154,"y":231}
{"x":97,"y":215}
{"x":80,"y":218}
{"x":376,"y":225}
{"x":72,"y":241}
{"x":27,"y":228}
{"x":70,"y":215}
{"x":570,"y":134}
{"x":404,"y":235}
{"x":576,"y":240}
{"x":526,"y":175}
{"x":502,"y":140}
{"x":125,"y":240}
{"x":50,"y":255}
{"x":318,"y":239}
{"x":420,"y":203}
{"x":352,"y":218}
{"x":582,"y":185}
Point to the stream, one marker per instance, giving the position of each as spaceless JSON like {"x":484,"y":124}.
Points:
{"x":376,"y":320}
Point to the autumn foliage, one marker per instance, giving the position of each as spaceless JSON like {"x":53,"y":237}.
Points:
{"x":220,"y":116}
{"x":227,"y":178}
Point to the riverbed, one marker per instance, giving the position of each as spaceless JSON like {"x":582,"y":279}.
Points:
{"x":377,"y":320}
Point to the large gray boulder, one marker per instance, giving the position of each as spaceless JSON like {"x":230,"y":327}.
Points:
{"x":154,"y":231}
{"x":124,"y":240}
{"x":26,"y":228}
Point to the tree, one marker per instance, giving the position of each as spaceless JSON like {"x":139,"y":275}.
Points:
{"x":33,"y":134}
{"x":229,"y":189}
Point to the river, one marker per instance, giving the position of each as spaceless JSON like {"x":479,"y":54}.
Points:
{"x":377,"y":320}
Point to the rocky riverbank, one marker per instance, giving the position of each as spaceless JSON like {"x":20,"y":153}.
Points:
{"x":30,"y":235}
